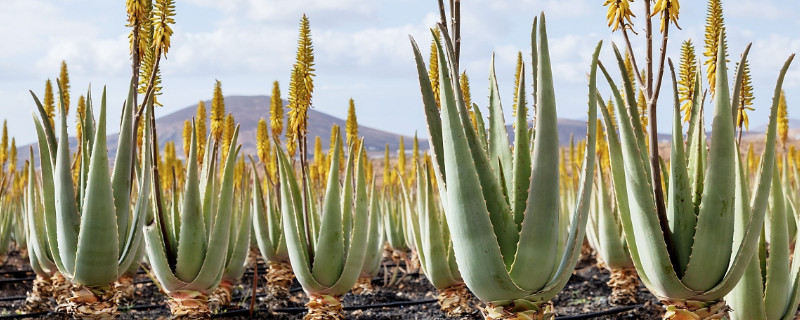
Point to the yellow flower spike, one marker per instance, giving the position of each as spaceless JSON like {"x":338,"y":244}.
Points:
{"x":351,"y":126}
{"x":79,"y":116}
{"x":746,"y":99}
{"x":386,"y":165}
{"x":187,"y":137}
{"x":217,"y":112}
{"x":517,"y":76}
{"x":64,"y":78}
{"x":302,"y":85}
{"x":642,"y":105}
{"x":200,"y":127}
{"x":668,"y":9}
{"x":465,"y":91}
{"x":262,"y":141}
{"x":276,"y":112}
{"x":629,"y":69}
{"x":4,"y":146}
{"x":783,"y":120}
{"x":137,"y":15}
{"x":602,"y":147}
{"x":610,"y":107}
{"x":619,"y":14}
{"x":687,"y":71}
{"x":715,"y":24}
{"x":401,"y":157}
{"x":433,"y":72}
{"x":227,"y":134}
{"x":163,"y":17}
{"x":12,"y":156}
{"x":49,"y":102}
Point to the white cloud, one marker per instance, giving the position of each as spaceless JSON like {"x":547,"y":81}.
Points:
{"x":761,"y":9}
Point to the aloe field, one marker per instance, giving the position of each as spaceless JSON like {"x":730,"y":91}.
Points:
{"x":283,"y":212}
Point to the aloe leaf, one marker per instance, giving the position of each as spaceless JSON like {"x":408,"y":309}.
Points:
{"x":433,"y":242}
{"x":67,"y":221}
{"x":680,"y":211}
{"x":211,"y":271}
{"x":98,"y":248}
{"x":121,"y":178}
{"x":794,"y":277}
{"x":432,"y":116}
{"x":132,"y":247}
{"x":193,"y":237}
{"x":474,"y":241}
{"x":777,"y":286}
{"x":641,"y":226}
{"x":737,"y":88}
{"x":614,"y":253}
{"x":346,"y":200}
{"x":538,"y":241}
{"x":496,"y":201}
{"x":577,"y":227}
{"x":48,"y":133}
{"x":295,"y":232}
{"x":48,"y":196}
{"x":521,"y":170}
{"x":696,"y":106}
{"x":329,"y":256}
{"x":37,"y":234}
{"x":374,"y":250}
{"x":630,"y":103}
{"x":260,"y":225}
{"x":758,"y":203}
{"x":234,"y":267}
{"x":357,"y":250}
{"x":481,"y":129}
{"x":499,"y":146}
{"x":156,"y":254}
{"x":208,"y":185}
{"x":713,"y":241}
{"x":534,"y":63}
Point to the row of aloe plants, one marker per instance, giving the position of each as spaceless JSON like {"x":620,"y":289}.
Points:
{"x":481,"y":216}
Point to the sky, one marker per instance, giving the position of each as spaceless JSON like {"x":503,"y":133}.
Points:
{"x":362,"y":52}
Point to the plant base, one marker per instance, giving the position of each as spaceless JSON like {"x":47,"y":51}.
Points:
{"x":222,"y":296}
{"x":363,"y":286}
{"x":61,"y":290}
{"x":279,"y":278}
{"x":123,"y":290}
{"x":38,"y":299}
{"x":624,"y":284}
{"x":695,"y":310}
{"x":324,"y":307}
{"x":91,"y":304}
{"x":188,"y":305}
{"x":518,"y":311}
{"x":454,"y":300}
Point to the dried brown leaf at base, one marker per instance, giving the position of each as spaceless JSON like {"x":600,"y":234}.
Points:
{"x":188,"y":305}
{"x":62,"y":289}
{"x":545,"y":311}
{"x":363,"y":286}
{"x":123,"y":290}
{"x":85,"y":304}
{"x":279,"y":277}
{"x":624,"y":284}
{"x":38,"y":299}
{"x":324,"y":307}
{"x":455,"y":300}
{"x":222,"y":296}
{"x":695,"y":310}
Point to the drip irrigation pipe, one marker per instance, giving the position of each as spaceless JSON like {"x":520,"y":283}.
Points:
{"x":599,"y":313}
{"x":13,"y":298}
{"x":15,"y":271}
{"x":25,"y":315}
{"x":13,"y":280}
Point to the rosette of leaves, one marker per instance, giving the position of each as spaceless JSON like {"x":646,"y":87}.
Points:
{"x":507,"y":248}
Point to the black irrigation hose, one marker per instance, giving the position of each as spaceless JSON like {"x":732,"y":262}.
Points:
{"x":13,"y":298}
{"x":13,"y":280}
{"x":15,"y":271}
{"x":599,"y":313}
{"x":25,"y":315}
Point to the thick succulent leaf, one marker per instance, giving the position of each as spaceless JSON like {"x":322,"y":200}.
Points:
{"x":122,"y":176}
{"x":499,"y":145}
{"x":794,"y":277}
{"x":614,"y":251}
{"x":535,"y":62}
{"x":193,"y":237}
{"x":433,"y":242}
{"x":758,"y":204}
{"x":713,"y":240}
{"x":374,"y":250}
{"x":577,"y":227}
{"x":208,"y":184}
{"x":67,"y":219}
{"x":777,"y":286}
{"x":633,"y":110}
{"x":48,"y":196}
{"x":474,"y":241}
{"x":346,"y":200}
{"x":330,"y":250}
{"x":680,"y":211}
{"x":521,"y":170}
{"x":641,"y":226}
{"x":98,"y":247}
{"x":291,"y":216}
{"x":48,"y":139}
{"x":234,"y":267}
{"x":696,"y":106}
{"x":737,"y":83}
{"x":357,"y":250}
{"x":259,"y":214}
{"x":211,"y":272}
{"x":481,"y":128}
{"x":493,"y":190}
{"x":539,"y":234}
{"x":34,"y":216}
{"x":156,"y":254}
{"x":432,"y":114}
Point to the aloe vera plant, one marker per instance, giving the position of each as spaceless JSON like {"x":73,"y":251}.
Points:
{"x":374,"y":252}
{"x":704,"y":254}
{"x":437,"y":257}
{"x":185,"y":251}
{"x":770,"y":286}
{"x":331,"y":267}
{"x":91,"y":229}
{"x":507,"y":248}
{"x":268,"y":231}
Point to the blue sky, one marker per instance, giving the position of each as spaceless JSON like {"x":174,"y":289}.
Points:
{"x":362,"y":51}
